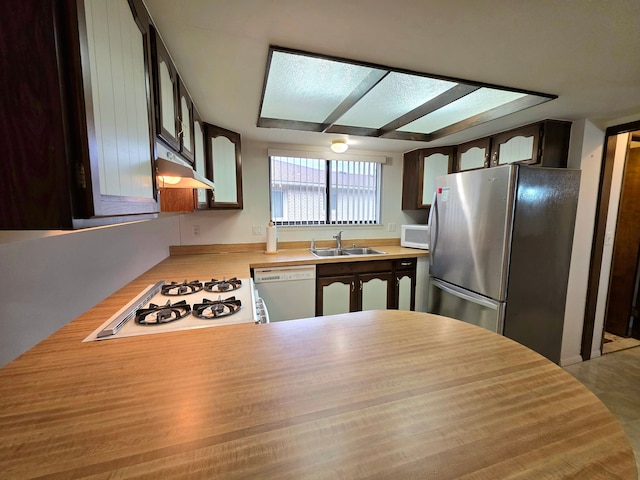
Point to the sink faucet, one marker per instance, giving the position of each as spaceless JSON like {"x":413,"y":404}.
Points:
{"x":338,"y":237}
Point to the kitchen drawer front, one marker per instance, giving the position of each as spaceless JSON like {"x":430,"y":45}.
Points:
{"x":349,"y":268}
{"x":405,"y":264}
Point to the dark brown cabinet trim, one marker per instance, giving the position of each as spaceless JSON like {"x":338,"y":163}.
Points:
{"x":211,"y":132}
{"x":160,"y":54}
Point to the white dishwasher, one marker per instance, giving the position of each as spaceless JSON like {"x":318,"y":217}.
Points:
{"x":288,"y":292}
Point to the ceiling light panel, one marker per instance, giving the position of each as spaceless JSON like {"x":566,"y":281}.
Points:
{"x":480,"y":101}
{"x":397,"y":94}
{"x":308,"y":89}
{"x":310,"y":92}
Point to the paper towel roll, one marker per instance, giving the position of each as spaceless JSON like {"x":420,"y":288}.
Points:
{"x":272,"y":238}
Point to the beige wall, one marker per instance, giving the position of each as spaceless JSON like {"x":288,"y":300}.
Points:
{"x":236,"y":226}
{"x":102,"y":260}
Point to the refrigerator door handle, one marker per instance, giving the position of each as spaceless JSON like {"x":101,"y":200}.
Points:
{"x":465,"y":294}
{"x":432,"y":221}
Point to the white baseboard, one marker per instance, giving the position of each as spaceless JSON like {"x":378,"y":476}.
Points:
{"x":571,"y":360}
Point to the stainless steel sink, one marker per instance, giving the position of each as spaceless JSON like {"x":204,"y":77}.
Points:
{"x":362,"y":251}
{"x":335,"y":252}
{"x":327,"y":252}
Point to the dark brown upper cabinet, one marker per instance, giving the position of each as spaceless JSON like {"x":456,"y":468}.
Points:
{"x":173,"y":105}
{"x":200,"y":158}
{"x":217,"y":156}
{"x":185,"y":123}
{"x":63,"y":132}
{"x":224,"y":163}
{"x":166,"y":94}
{"x":419,"y":170}
{"x":473,"y":155}
{"x":545,"y":144}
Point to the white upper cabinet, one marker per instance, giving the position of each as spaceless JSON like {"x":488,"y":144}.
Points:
{"x":433,"y":165}
{"x":115,"y":47}
{"x":419,"y":171}
{"x":473,"y":155}
{"x":225,"y":166}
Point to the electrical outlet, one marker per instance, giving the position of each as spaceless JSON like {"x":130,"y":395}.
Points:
{"x":392,"y":227}
{"x":257,"y":230}
{"x":196,"y":230}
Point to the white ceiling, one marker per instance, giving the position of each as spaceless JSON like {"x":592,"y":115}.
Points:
{"x":584,"y":51}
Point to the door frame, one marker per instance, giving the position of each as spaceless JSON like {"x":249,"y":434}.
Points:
{"x":597,"y":246}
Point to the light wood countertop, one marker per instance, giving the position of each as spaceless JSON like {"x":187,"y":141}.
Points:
{"x":383,"y":394}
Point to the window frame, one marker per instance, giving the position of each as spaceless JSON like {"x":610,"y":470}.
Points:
{"x":329,"y":191}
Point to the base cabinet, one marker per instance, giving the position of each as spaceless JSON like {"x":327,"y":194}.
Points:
{"x":405,"y":275}
{"x":335,"y":295}
{"x":370,"y":285}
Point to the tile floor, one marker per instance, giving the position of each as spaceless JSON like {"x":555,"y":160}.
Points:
{"x":615,"y":379}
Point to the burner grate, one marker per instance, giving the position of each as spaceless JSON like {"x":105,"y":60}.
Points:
{"x":220,"y":286}
{"x":176,"y":289}
{"x":212,"y":309}
{"x":161,"y":314}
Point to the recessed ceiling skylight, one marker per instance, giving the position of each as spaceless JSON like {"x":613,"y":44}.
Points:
{"x":305,"y":91}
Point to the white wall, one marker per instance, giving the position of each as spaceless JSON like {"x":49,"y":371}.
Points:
{"x":50,"y":277}
{"x":585,"y":153}
{"x":229,"y":226}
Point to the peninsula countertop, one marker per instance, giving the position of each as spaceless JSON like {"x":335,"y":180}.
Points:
{"x":384,"y":394}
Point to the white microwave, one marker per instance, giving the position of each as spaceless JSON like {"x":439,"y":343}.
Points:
{"x":415,"y":236}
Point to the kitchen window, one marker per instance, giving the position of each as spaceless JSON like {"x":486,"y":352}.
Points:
{"x":306,"y":189}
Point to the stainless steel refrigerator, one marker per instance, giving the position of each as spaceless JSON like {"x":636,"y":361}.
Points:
{"x":501,"y":242}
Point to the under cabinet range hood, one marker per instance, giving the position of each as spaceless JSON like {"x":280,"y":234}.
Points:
{"x":173,"y":172}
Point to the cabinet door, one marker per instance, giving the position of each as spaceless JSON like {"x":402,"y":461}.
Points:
{"x":203,"y":195}
{"x":520,"y":145}
{"x":375,"y":291}
{"x":335,"y":295}
{"x":185,"y":123}
{"x":405,"y":291}
{"x":224,"y":160}
{"x":117,"y":108}
{"x":419,"y":170}
{"x":166,"y":82}
{"x":434,"y":162}
{"x":78,"y":149}
{"x":473,"y":155}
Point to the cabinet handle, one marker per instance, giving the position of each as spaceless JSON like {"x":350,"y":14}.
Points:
{"x":494,"y":158}
{"x":181,"y":132}
{"x":398,"y":281}
{"x":406,"y":264}
{"x":353,"y":287}
{"x":360,"y":285}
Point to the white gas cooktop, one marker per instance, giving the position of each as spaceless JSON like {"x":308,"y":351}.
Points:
{"x":236,"y":295}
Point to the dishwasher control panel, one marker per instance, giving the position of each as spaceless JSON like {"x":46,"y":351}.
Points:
{"x":284,"y":274}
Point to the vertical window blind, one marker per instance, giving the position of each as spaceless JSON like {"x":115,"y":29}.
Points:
{"x":313,"y":191}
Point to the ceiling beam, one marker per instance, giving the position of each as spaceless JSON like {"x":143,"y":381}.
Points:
{"x":289,"y":124}
{"x":430,"y":106}
{"x":365,"y":86}
{"x":494,"y":113}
